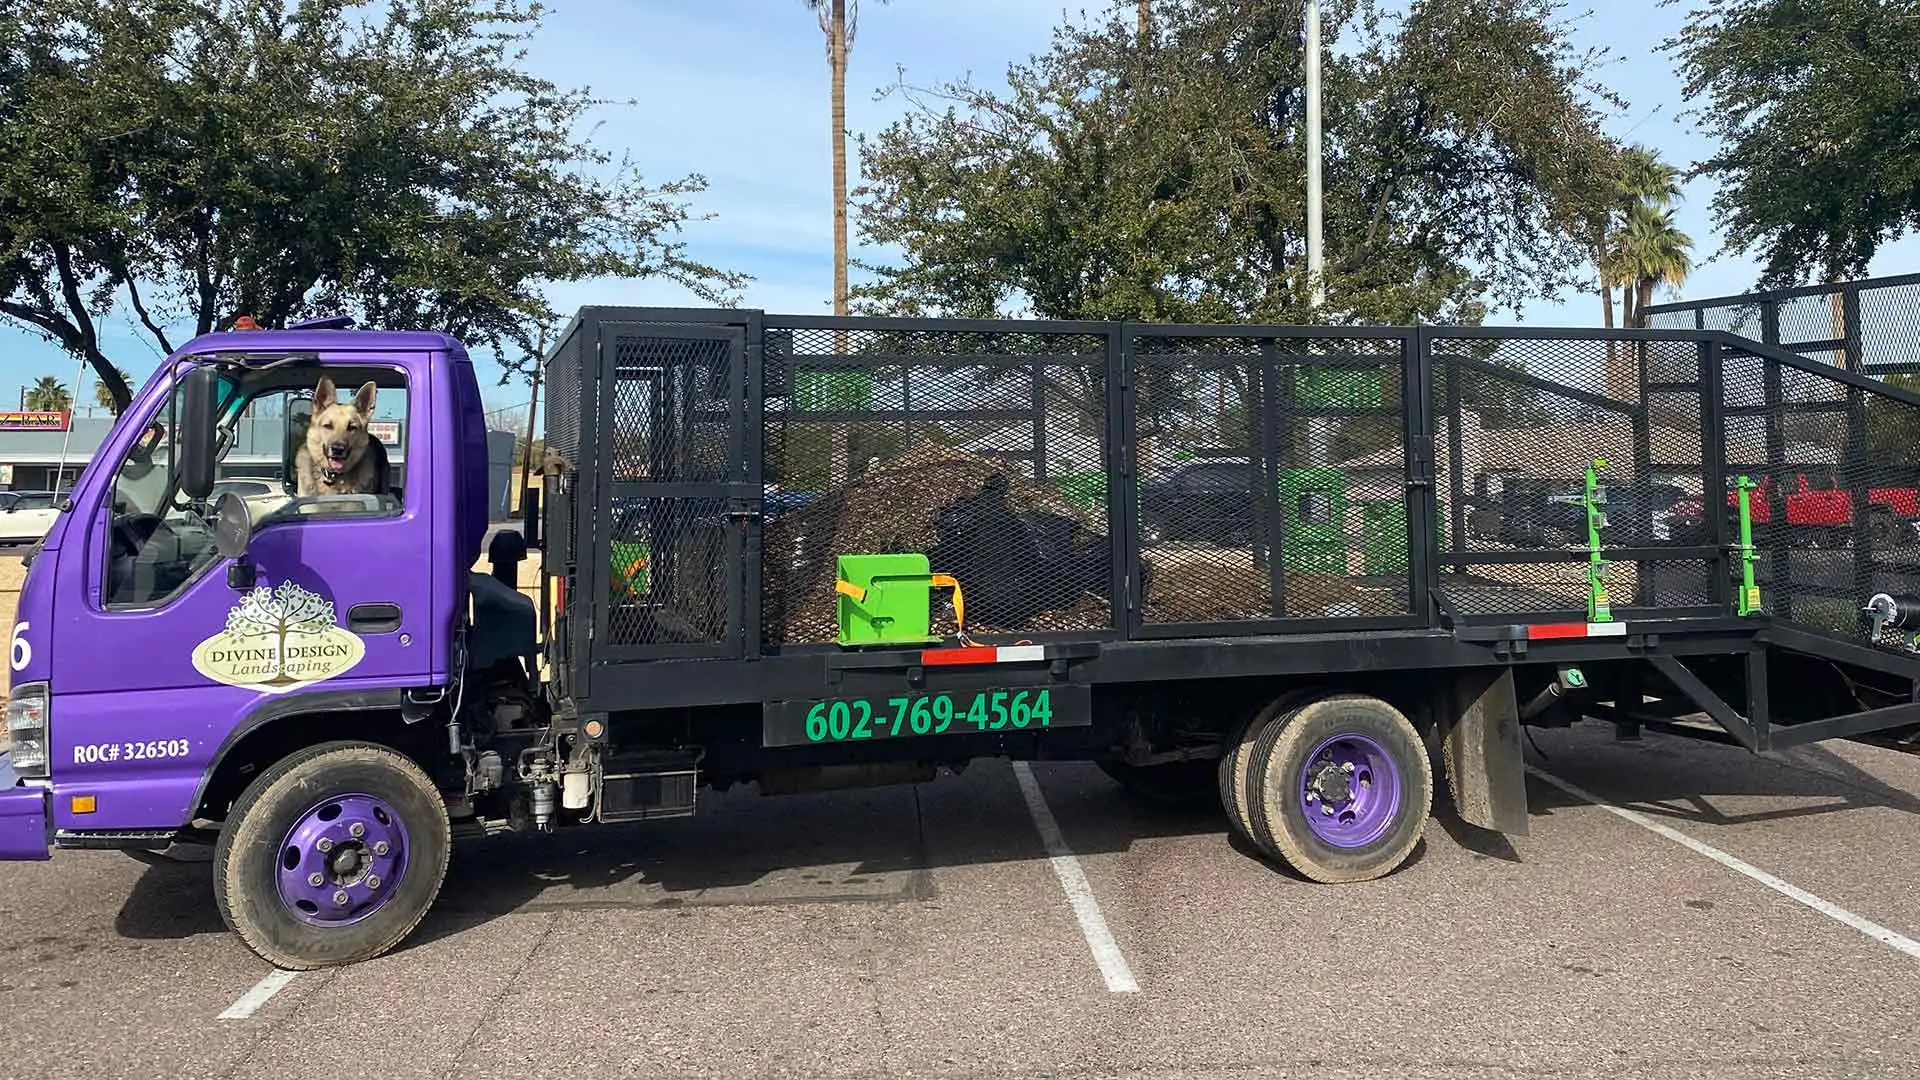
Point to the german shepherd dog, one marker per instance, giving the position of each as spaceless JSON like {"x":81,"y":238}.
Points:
{"x":339,"y":457}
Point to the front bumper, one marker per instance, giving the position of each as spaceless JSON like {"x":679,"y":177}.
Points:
{"x":24,"y":822}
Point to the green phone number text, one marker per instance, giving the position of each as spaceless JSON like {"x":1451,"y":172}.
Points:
{"x":997,"y":710}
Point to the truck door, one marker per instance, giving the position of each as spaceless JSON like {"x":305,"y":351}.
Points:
{"x":674,"y":457}
{"x":162,"y":649}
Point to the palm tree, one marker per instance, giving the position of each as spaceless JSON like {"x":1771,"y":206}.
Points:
{"x":103,"y":394}
{"x":1640,"y":179}
{"x":838,"y":21}
{"x":1649,"y":251}
{"x":49,"y":394}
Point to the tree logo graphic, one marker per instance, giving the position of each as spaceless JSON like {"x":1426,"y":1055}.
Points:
{"x":279,"y":639}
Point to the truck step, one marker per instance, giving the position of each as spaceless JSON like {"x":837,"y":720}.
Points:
{"x":646,"y":786}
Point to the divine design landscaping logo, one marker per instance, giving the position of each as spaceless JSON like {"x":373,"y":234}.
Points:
{"x":279,"y":639}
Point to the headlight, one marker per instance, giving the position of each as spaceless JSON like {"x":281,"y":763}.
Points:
{"x":27,"y":728}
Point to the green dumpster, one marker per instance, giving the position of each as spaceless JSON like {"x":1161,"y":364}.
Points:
{"x":1383,"y":532}
{"x":1313,"y":511}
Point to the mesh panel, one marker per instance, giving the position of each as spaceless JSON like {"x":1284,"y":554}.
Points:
{"x":1811,"y":319}
{"x":1560,"y":589}
{"x":561,"y":374}
{"x":984,"y":451}
{"x":671,"y":577}
{"x":1837,"y":497}
{"x":1271,"y":478}
{"x":1889,"y":333}
{"x":1533,"y":416}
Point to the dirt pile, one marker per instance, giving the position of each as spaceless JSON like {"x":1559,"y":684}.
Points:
{"x":1029,"y":560}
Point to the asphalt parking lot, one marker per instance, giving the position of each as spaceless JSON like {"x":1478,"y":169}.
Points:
{"x":931,"y":931}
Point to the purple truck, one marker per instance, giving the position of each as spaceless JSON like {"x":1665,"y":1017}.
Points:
{"x":323,"y":690}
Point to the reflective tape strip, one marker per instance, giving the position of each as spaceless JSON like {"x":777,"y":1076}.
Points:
{"x":983,"y":654}
{"x":1558,"y":631}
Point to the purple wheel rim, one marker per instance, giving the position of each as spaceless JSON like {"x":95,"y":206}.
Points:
{"x":1350,"y":791}
{"x":342,"y":860}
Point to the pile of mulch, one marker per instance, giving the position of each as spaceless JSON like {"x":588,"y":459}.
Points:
{"x":1028,"y":559}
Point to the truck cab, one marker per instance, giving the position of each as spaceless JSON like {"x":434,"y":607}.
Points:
{"x":168,"y":646}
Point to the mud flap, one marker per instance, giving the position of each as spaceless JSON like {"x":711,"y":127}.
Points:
{"x":1481,"y":752}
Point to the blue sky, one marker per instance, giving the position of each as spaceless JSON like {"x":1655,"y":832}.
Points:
{"x":737,"y":90}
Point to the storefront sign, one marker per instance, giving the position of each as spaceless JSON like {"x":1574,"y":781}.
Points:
{"x":22,"y":420}
{"x":387,"y":431}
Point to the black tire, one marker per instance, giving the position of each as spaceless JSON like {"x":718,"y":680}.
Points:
{"x":1280,"y":754}
{"x":1237,"y":750}
{"x":1179,"y":783}
{"x":247,"y":854}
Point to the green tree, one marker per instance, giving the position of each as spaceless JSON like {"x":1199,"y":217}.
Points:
{"x":49,"y":394}
{"x":1459,"y":176}
{"x":1813,"y":103}
{"x":188,"y":160}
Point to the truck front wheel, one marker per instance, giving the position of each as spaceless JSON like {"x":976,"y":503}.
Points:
{"x":1340,"y":788}
{"x":332,"y":856}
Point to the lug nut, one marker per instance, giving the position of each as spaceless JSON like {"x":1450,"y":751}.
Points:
{"x":1327,"y":809}
{"x":373,"y":881}
{"x":340,"y":898}
{"x":1345,"y":767}
{"x":1313,"y":796}
{"x":357,"y":830}
{"x":315,"y":879}
{"x":325,"y":845}
{"x":379,"y":847}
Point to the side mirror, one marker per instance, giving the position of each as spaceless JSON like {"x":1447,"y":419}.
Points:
{"x":299,"y":414}
{"x":232,"y":525}
{"x":198,"y":451}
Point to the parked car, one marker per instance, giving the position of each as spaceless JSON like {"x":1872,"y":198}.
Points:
{"x":1551,"y":513}
{"x":25,"y":516}
{"x":1209,"y":500}
{"x":1819,"y":512}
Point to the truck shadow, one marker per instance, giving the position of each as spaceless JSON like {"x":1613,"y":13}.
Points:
{"x":1677,"y":779}
{"x":884,"y":845}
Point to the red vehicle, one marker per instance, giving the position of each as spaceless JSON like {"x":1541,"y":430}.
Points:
{"x":1821,"y":509}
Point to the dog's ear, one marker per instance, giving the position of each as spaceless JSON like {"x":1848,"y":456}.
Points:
{"x":363,"y":398}
{"x":323,"y":396}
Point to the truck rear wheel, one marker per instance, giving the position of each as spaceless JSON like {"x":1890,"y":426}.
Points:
{"x":332,"y":856}
{"x":1238,"y":750}
{"x":1339,"y":788}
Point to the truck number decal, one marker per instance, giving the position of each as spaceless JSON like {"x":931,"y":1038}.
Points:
{"x":151,"y":750}
{"x":22,"y":652}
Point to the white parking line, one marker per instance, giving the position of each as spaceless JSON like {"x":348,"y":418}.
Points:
{"x":1874,"y":930}
{"x":250,"y":1002}
{"x":1093,"y":925}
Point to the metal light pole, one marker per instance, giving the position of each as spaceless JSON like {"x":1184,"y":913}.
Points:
{"x":1316,"y":254}
{"x":1319,"y":435}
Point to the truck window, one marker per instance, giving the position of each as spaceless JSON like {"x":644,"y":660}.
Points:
{"x":156,"y":543}
{"x":159,"y":543}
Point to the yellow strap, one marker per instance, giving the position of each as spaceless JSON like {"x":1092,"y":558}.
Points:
{"x":851,"y":591}
{"x":946,"y":581}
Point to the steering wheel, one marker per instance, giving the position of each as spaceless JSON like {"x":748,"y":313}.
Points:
{"x":131,"y":532}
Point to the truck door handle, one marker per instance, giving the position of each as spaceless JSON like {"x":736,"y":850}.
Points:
{"x":373,"y":618}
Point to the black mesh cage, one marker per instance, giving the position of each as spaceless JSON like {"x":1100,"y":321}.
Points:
{"x":1109,"y":480}
{"x":986,"y":451}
